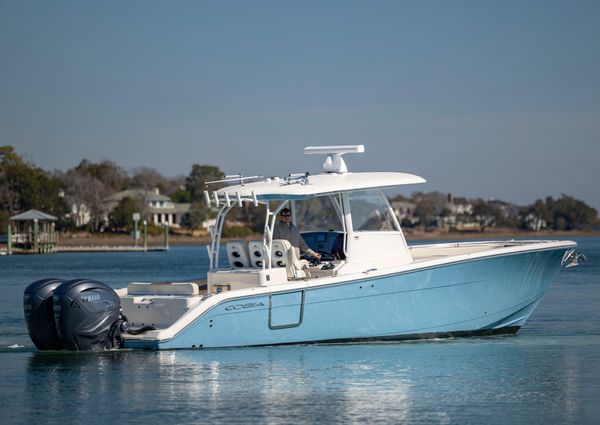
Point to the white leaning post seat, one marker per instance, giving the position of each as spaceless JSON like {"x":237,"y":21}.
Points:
{"x":284,"y":255}
{"x":237,"y":254}
{"x":256,"y":253}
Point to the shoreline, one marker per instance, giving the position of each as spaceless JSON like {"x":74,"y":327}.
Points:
{"x":411,"y":234}
{"x":88,"y":240}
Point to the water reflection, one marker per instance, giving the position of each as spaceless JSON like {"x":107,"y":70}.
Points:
{"x":548,"y":373}
{"x":444,"y":382}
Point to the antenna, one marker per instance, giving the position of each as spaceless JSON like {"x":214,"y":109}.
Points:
{"x":334,"y":163}
{"x":235,"y":178}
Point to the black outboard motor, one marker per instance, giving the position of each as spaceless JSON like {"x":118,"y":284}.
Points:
{"x":87,"y":315}
{"x":39,"y":315}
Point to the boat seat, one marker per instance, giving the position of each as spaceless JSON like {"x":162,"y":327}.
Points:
{"x":256,"y":253}
{"x":237,"y":254}
{"x":163,"y":288}
{"x":284,"y":255}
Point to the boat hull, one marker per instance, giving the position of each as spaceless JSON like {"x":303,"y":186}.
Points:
{"x":483,"y":296}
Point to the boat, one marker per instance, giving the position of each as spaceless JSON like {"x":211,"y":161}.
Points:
{"x":369,"y":284}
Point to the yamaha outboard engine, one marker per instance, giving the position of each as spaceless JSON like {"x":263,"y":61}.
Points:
{"x":87,"y":315}
{"x":39,"y":315}
{"x":78,"y":315}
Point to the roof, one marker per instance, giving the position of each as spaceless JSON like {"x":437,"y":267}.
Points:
{"x":318,"y":185}
{"x":33,"y":215}
{"x":147,"y":195}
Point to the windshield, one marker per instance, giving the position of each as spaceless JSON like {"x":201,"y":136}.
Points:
{"x":370,"y":211}
{"x":316,"y":214}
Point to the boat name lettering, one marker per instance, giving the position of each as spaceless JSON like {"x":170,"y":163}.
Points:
{"x":242,"y":306}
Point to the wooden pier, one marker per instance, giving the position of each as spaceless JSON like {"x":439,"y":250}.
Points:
{"x":108,"y":248}
{"x":32,"y":232}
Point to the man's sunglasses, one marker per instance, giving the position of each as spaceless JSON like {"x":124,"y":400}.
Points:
{"x":286,"y":215}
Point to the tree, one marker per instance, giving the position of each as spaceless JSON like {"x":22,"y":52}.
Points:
{"x":112,"y":176}
{"x":195,"y":183}
{"x":8,"y":196}
{"x":485,"y":213}
{"x":399,"y":198}
{"x":181,"y":195}
{"x":196,"y":215}
{"x":76,"y":190}
{"x":4,"y":221}
{"x":89,"y":183}
{"x":24,"y":186}
{"x":85,"y":194}
{"x":536,"y":216}
{"x":425,"y":211}
{"x":429,"y":206}
{"x":174,"y":184}
{"x":121,"y":217}
{"x":569,"y":213}
{"x":148,"y":178}
{"x":565,"y":213}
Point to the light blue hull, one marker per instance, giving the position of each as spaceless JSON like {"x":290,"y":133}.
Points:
{"x":483,"y":296}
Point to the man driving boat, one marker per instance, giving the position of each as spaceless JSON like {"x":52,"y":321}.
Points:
{"x":284,"y":229}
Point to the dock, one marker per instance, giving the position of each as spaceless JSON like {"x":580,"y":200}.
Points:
{"x":108,"y":248}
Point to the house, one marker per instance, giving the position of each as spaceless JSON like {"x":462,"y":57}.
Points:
{"x":459,"y":206}
{"x":534,"y":222}
{"x":80,"y":214}
{"x":160,"y":209}
{"x":405,"y":211}
{"x":458,"y":215}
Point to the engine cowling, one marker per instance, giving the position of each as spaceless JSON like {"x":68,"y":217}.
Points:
{"x":39,"y":314}
{"x":87,"y":314}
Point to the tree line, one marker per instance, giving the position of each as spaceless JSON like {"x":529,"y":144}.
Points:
{"x":84,"y":188}
{"x":435,"y":209}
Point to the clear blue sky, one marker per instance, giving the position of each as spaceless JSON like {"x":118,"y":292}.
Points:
{"x":495,"y":99}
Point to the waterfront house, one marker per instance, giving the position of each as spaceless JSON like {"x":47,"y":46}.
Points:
{"x":458,"y":215}
{"x":405,"y":211}
{"x":159,"y":209}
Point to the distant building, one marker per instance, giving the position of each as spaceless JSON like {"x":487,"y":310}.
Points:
{"x":80,"y":214}
{"x":405,"y":211}
{"x":534,"y":222}
{"x":458,"y":215}
{"x":459,"y":206}
{"x":159,"y":208}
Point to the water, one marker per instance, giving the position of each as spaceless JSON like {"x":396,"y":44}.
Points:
{"x":548,"y":373}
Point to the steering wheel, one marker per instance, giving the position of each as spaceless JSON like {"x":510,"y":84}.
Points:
{"x":326,"y":256}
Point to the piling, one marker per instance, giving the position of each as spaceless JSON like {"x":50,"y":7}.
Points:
{"x":167,"y":237}
{"x":36,"y":245}
{"x":145,"y":236}
{"x":9,"y":241}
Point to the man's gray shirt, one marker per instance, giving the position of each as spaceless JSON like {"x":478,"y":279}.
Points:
{"x":291,"y":234}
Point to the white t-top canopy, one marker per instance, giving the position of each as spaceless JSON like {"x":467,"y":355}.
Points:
{"x":317,"y":185}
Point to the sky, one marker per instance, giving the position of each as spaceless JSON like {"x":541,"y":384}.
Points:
{"x":492,"y":99}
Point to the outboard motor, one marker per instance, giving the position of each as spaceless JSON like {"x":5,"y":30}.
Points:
{"x":39,"y":315}
{"x":87,"y":314}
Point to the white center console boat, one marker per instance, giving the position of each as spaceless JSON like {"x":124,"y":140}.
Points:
{"x":370,"y":285}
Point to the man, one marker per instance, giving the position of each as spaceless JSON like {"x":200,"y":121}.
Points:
{"x":286,"y":230}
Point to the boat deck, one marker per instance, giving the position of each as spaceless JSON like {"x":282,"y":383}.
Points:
{"x":436,"y":251}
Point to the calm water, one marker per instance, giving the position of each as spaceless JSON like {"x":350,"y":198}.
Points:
{"x":548,"y":373}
